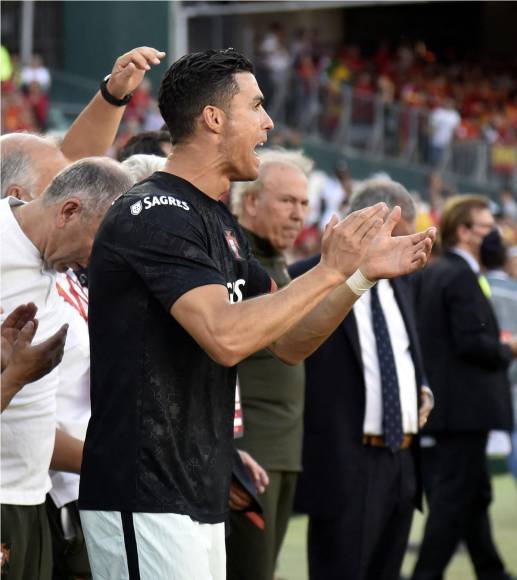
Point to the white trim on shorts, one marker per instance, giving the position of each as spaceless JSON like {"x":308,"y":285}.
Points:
{"x":149,"y":546}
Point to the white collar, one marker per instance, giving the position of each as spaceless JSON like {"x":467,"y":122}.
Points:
{"x":498,"y":275}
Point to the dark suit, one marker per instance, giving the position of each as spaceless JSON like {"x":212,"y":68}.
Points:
{"x":359,"y":524}
{"x":465,"y":364}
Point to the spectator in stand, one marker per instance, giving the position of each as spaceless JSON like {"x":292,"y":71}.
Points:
{"x":412,"y":74}
{"x":16,"y":114}
{"x":277,"y":62}
{"x":37,"y":100}
{"x":36,"y":71}
{"x":140,"y":102}
{"x":443,"y":123}
{"x":335,"y":192}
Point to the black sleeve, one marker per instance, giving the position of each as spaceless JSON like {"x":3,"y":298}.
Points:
{"x":170,"y":258}
{"x":468,"y":317}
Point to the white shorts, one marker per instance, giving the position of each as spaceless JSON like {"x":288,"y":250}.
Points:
{"x":147,"y":546}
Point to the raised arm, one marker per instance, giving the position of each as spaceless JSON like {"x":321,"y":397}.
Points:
{"x":94,"y":130}
{"x":231,"y":332}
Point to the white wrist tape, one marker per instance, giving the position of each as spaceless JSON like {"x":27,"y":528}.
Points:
{"x":358,"y":283}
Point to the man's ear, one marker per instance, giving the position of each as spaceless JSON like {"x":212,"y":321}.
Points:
{"x":250,"y":202}
{"x":68,"y":211}
{"x":462,"y":232}
{"x":214,"y":118}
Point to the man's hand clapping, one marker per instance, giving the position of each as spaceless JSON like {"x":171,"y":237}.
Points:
{"x":23,"y":363}
{"x":388,"y":256}
{"x":345,"y":243}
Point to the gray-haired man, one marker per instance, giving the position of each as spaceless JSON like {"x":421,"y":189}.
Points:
{"x":48,"y":235}
{"x":271,"y":211}
{"x":363,"y":409}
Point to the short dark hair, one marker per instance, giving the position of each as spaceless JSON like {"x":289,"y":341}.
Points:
{"x":147,"y":143}
{"x":195,"y":81}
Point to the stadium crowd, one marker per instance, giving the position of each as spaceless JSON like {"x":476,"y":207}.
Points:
{"x":305,"y":290}
{"x":457,"y":100}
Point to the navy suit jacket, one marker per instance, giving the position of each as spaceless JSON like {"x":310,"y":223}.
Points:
{"x":335,"y":403}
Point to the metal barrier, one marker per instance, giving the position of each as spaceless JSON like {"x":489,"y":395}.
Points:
{"x":364,"y":123}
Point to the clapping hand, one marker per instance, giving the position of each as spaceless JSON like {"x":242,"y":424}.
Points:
{"x":22,"y":362}
{"x":388,"y":256}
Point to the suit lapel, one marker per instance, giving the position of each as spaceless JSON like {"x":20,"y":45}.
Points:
{"x":404,"y":304}
{"x":349,"y":326}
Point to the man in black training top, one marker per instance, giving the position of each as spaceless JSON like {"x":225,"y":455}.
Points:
{"x":172,"y":312}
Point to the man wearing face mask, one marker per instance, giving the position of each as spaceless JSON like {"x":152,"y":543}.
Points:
{"x":466,"y":364}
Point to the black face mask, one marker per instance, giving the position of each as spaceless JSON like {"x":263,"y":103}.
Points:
{"x":492,"y":251}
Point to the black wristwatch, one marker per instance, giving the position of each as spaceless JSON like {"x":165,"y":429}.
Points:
{"x":110,"y":98}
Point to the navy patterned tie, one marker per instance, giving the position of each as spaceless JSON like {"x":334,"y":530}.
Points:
{"x":391,"y":415}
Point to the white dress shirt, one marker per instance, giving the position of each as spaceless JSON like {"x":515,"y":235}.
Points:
{"x":403,"y":361}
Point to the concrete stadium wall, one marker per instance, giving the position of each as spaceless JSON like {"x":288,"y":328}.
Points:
{"x":95,"y":33}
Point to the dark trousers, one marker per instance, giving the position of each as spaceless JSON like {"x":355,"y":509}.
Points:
{"x":26,"y":543}
{"x":367,"y":540}
{"x":251,"y":553}
{"x":458,"y":488}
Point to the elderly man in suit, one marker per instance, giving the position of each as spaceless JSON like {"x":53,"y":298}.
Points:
{"x":364,"y":403}
{"x":466,"y":364}
{"x":271,"y":211}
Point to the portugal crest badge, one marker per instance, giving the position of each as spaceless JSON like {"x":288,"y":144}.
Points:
{"x":233,"y":244}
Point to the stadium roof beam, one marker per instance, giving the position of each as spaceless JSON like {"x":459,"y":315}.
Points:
{"x":198,"y":9}
{"x":180,"y":13}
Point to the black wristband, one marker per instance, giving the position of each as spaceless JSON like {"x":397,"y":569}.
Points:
{"x":110,"y":98}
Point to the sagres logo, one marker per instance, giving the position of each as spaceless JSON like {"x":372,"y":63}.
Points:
{"x":136,"y":208}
